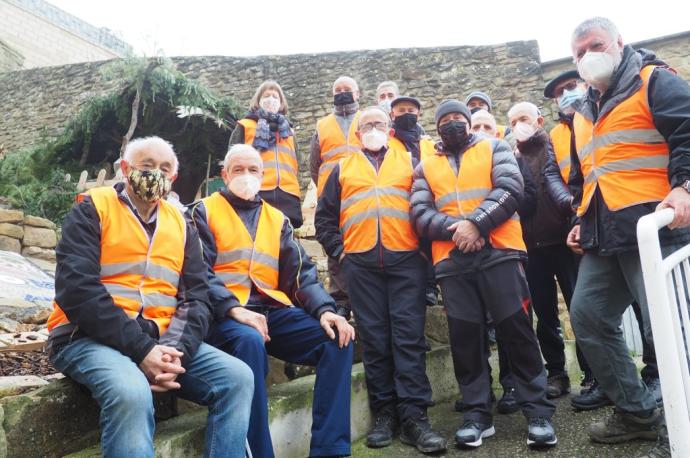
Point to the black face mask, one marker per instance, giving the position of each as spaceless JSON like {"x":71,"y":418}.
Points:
{"x":408,"y":121}
{"x":454,"y":134}
{"x":343,"y":98}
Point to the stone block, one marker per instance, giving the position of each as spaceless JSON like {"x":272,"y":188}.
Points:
{"x":313,"y":249}
{"x":38,"y":222}
{"x":436,"y":324}
{"x":11,"y":230}
{"x":40,"y":237}
{"x":46,"y":254}
{"x":24,"y":311}
{"x":17,"y":384}
{"x":11,"y":216}
{"x":10,"y":244}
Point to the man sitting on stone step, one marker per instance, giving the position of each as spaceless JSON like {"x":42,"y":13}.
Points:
{"x":267,"y":291}
{"x":131,"y":309}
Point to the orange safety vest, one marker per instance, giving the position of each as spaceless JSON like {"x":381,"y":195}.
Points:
{"x":141,"y":274}
{"x":334,"y":145}
{"x":280,"y":162}
{"x":376,"y":203}
{"x":242,"y":261}
{"x":426,"y":147}
{"x":458,"y":195}
{"x":560,"y":138}
{"x":623,"y":154}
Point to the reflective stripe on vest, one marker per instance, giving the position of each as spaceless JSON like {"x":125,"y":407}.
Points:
{"x":426,"y":147}
{"x":561,"y":137}
{"x":141,"y":274}
{"x":334,"y":145}
{"x":459,"y":195}
{"x":280,"y":162}
{"x":242,"y":261}
{"x":376,"y":204}
{"x":623,"y":154}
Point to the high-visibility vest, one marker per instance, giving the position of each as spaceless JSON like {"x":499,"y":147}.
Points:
{"x":561,"y":141}
{"x":242,"y":261}
{"x":623,"y":154}
{"x":334,"y":145}
{"x":501,"y":131}
{"x":280,"y":162}
{"x":375,"y":203}
{"x":459,"y":195}
{"x":140,"y":273}
{"x":426,"y":147}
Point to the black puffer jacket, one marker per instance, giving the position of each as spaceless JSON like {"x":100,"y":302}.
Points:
{"x":608,"y":232}
{"x":547,"y":226}
{"x":501,"y":203}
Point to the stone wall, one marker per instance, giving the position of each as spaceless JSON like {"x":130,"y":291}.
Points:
{"x":46,"y":35}
{"x":29,"y":235}
{"x":10,"y":59}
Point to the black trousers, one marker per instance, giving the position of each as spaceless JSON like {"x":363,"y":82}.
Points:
{"x":388,"y":305}
{"x":502,"y":291}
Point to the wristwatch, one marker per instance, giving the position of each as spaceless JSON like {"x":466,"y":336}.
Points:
{"x":686,"y":186}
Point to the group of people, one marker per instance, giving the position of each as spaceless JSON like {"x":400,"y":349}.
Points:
{"x":153,"y":299}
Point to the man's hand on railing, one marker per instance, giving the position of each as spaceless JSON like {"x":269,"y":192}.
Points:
{"x":679,"y":200}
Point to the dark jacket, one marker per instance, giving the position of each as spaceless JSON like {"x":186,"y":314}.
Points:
{"x":90,"y":308}
{"x":289,"y":204}
{"x":297,"y":276}
{"x":547,"y":225}
{"x":528,"y":203}
{"x":501,"y":203}
{"x":608,"y":232}
{"x":327,"y":222}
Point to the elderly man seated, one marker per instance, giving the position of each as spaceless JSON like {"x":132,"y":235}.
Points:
{"x":131,"y":309}
{"x":273,"y":303}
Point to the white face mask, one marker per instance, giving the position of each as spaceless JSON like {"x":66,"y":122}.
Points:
{"x":245,"y":186}
{"x":385,"y":105}
{"x":597,"y":67}
{"x":270,"y":104}
{"x":374,"y":140}
{"x":523,"y":131}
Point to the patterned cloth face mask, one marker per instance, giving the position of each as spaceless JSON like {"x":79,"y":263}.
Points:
{"x":149,"y":185}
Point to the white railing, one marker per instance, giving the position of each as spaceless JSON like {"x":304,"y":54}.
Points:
{"x":666,"y":285}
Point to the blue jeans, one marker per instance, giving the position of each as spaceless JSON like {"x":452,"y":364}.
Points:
{"x":296,"y":337}
{"x":214,"y":379}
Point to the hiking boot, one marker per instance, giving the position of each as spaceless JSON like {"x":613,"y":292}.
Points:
{"x":540,"y":432}
{"x":508,"y":403}
{"x":557,"y":386}
{"x":472,"y":432}
{"x":418,"y":432}
{"x":654,"y":385}
{"x":460,"y":405}
{"x":595,"y":398}
{"x":623,"y":426}
{"x":587,"y":385}
{"x":662,"y":448}
{"x":385,"y":425}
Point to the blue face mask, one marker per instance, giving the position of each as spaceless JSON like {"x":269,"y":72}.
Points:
{"x":569,"y":98}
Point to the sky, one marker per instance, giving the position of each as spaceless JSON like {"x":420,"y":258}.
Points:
{"x":251,"y":28}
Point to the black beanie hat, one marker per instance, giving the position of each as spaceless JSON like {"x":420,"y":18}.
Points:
{"x":452,"y":106}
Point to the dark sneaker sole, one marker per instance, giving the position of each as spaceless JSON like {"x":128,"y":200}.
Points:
{"x":486,"y":433}
{"x":643,"y":435}
{"x":436,"y":448}
{"x":542,"y":443}
{"x":586,"y":407}
{"x":379,"y":444}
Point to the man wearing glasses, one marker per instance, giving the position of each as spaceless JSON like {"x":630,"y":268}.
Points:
{"x":362,"y":219}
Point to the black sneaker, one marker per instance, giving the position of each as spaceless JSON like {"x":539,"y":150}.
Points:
{"x":508,"y":403}
{"x":418,"y":432}
{"x":624,"y":426}
{"x":654,"y":385}
{"x":662,"y":448}
{"x":472,"y":432}
{"x":540,"y":433}
{"x":594,"y":399}
{"x":557,"y":386}
{"x":385,"y":425}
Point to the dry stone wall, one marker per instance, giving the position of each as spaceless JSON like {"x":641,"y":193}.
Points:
{"x":29,"y":235}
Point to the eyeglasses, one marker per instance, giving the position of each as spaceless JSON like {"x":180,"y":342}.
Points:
{"x":379,"y":125}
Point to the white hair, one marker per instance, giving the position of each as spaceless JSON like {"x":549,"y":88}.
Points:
{"x":147,"y":143}
{"x":241,"y":148}
{"x":374,"y":108}
{"x":385,"y":84}
{"x":346,"y":79}
{"x":528,"y":107}
{"x":483,"y":114}
{"x":593,"y":23}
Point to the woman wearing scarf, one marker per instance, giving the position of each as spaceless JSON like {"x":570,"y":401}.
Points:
{"x":268,"y":130}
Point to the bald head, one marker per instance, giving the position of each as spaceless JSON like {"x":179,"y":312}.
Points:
{"x":484,"y":122}
{"x":151,"y":153}
{"x":373,"y":114}
{"x":242,"y":153}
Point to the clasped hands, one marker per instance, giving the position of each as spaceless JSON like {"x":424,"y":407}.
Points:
{"x":466,"y":236}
